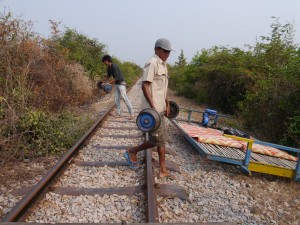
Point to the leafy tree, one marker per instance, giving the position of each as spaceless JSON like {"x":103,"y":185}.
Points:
{"x":84,"y":50}
{"x":177,"y":71}
{"x":270,"y":101}
{"x":131,"y":72}
{"x":217,"y":76}
{"x":181,"y":60}
{"x":274,"y":51}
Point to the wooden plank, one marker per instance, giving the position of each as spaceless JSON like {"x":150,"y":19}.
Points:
{"x":73,"y":191}
{"x":116,"y":147}
{"x":119,"y":136}
{"x":99,"y":163}
{"x":121,"y":121}
{"x":120,"y":128}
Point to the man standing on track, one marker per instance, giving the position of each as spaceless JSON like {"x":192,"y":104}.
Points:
{"x":154,"y":87}
{"x":120,"y":85}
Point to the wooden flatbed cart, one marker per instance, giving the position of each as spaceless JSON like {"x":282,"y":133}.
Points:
{"x":247,"y":160}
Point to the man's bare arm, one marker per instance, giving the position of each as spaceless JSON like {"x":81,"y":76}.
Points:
{"x":146,"y":91}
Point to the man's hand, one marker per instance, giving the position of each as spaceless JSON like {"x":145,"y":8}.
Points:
{"x":112,"y":81}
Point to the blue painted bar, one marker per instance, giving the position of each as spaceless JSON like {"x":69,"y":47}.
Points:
{"x":198,"y":111}
{"x":223,"y":159}
{"x":297,"y":170}
{"x":246,"y":170}
{"x":247,"y":157}
{"x":193,"y":142}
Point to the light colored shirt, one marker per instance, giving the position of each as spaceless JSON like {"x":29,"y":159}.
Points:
{"x":156,"y":72}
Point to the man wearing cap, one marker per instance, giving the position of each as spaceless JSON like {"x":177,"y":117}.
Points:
{"x":154,"y":87}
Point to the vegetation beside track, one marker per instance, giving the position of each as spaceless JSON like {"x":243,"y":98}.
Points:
{"x":43,"y":83}
{"x":261,"y":85}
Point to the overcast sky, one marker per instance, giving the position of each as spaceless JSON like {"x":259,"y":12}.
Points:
{"x":130,"y":28}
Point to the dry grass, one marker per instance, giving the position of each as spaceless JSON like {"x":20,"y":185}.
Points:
{"x":35,"y":75}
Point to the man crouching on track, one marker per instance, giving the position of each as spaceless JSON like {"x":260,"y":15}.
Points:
{"x":120,"y":85}
{"x":154,"y":87}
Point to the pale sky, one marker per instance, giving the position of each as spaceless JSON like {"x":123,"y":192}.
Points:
{"x":130,"y":28}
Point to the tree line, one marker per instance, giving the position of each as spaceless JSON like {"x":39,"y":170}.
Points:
{"x":260,"y":85}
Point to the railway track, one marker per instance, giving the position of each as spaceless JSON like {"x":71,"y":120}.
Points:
{"x":92,"y":183}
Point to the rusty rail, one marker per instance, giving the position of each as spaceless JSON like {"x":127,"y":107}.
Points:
{"x":151,"y":196}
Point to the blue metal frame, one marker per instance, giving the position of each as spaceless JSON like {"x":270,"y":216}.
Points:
{"x":214,"y":116}
{"x":297,"y":170}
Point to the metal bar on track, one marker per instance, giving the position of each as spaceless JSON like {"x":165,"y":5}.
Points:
{"x":152,"y":208}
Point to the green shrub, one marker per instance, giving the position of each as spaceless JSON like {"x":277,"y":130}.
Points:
{"x":218,"y":77}
{"x":292,"y":135}
{"x":84,"y":50}
{"x":43,"y":134}
{"x":131,"y":71}
{"x":274,"y":97}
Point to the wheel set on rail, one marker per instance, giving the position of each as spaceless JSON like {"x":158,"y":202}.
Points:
{"x":149,"y":119}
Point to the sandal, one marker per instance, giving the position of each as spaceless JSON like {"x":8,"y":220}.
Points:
{"x":132,"y":165}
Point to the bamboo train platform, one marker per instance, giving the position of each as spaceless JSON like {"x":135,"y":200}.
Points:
{"x":247,"y":160}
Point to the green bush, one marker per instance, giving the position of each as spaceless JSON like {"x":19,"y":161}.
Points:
{"x":84,"y":50}
{"x":274,"y":96}
{"x":131,"y":71}
{"x":45,"y":134}
{"x":218,"y":77}
{"x":292,"y":134}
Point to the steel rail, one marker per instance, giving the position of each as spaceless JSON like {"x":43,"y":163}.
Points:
{"x":151,"y":196}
